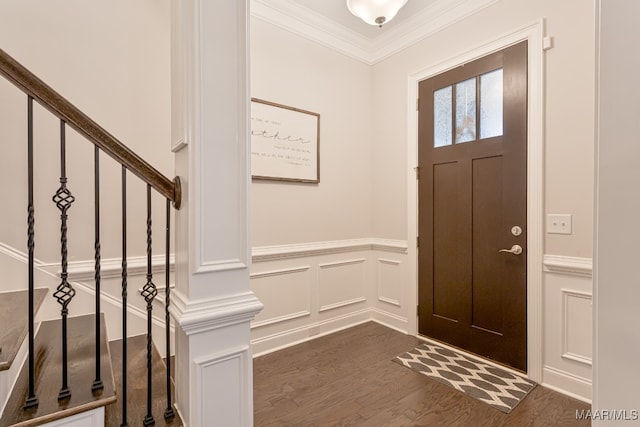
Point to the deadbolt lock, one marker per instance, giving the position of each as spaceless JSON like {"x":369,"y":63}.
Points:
{"x":516,"y":230}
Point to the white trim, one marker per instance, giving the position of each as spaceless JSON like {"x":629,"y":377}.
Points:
{"x":389,"y":261}
{"x":178,"y":145}
{"x":201,"y":192}
{"x":289,"y":15}
{"x":272,"y":273}
{"x":567,"y":383}
{"x":389,"y":301}
{"x":90,"y":418}
{"x":342,"y":263}
{"x":566,"y":293}
{"x":299,"y":250}
{"x":200,"y":316}
{"x":389,"y":320}
{"x":202,"y":363}
{"x":535,"y":143}
{"x":573,"y":266}
{"x":280,"y":319}
{"x":304,"y":333}
{"x":110,"y":268}
{"x":341,"y":304}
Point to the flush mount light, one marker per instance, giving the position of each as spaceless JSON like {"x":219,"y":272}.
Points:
{"x":375,"y":12}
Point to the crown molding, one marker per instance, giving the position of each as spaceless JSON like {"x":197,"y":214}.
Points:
{"x":289,"y":15}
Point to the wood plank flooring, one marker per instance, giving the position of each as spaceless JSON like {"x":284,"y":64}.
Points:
{"x":348,"y":378}
{"x":137,"y":385}
{"x":14,"y":322}
{"x":48,"y":368}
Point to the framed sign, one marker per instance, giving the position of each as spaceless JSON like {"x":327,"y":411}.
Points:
{"x":285,"y":143}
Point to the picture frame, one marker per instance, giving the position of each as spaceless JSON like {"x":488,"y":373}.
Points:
{"x":285,"y":143}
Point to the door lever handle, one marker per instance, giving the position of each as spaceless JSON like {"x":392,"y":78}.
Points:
{"x":515,"y":249}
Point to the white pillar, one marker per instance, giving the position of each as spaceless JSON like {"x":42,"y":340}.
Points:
{"x":616,"y":299}
{"x":213,"y":304}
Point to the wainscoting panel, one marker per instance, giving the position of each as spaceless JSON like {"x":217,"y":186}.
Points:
{"x":389,"y":286}
{"x":313,"y":289}
{"x":342,"y":283}
{"x":285,"y":293}
{"x":568,"y":325}
{"x":229,"y":369}
{"x":576,"y":314}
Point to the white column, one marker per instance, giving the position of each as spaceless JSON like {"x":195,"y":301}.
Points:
{"x":213,"y":304}
{"x":616,"y":296}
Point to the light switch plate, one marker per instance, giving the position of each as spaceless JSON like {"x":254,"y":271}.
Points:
{"x":559,"y":223}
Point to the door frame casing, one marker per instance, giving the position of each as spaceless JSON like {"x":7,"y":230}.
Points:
{"x":533,"y":33}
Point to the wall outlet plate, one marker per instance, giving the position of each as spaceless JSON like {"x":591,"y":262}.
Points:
{"x":559,"y":223}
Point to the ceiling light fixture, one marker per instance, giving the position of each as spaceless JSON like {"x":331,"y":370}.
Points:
{"x":375,"y":12}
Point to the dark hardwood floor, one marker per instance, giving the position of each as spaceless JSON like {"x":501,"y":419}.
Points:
{"x":137,"y":385}
{"x":48,"y":368}
{"x":348,"y":378}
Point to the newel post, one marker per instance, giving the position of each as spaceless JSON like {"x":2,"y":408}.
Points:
{"x":212,"y":304}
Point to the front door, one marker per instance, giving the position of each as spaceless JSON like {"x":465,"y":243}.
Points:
{"x":472,"y":190}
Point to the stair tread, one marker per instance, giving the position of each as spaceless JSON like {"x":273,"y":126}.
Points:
{"x":137,"y":385}
{"x":48,"y":362}
{"x":14,"y":322}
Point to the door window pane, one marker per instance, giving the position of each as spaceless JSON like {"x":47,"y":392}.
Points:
{"x":442,"y":121}
{"x":491,"y":104}
{"x":466,"y":111}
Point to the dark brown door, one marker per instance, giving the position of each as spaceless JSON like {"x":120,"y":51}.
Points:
{"x":472,"y":155}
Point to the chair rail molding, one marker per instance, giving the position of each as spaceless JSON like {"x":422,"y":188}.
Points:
{"x":299,"y":250}
{"x":575,"y":266}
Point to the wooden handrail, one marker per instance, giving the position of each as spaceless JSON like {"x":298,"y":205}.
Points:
{"x":30,"y":84}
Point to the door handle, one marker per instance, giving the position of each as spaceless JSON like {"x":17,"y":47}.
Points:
{"x":515,"y":249}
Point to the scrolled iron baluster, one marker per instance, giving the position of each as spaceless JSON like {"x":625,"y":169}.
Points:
{"x":149,"y":292}
{"x":169,"y":413}
{"x":97,"y":385}
{"x":64,"y":292}
{"x":124,"y":297}
{"x":32,"y":400}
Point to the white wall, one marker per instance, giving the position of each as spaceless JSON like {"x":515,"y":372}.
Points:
{"x":567,"y":166}
{"x":313,"y":264}
{"x":291,"y":70}
{"x":568,"y":112}
{"x":616,"y":296}
{"x":111,"y":59}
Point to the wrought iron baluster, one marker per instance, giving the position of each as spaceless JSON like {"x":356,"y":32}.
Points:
{"x":168,"y":412}
{"x":65,"y":292}
{"x":149,"y":292}
{"x":32,"y":400}
{"x":97,"y":385}
{"x":124,"y":297}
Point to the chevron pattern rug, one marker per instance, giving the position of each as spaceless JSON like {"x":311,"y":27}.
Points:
{"x":496,"y":387}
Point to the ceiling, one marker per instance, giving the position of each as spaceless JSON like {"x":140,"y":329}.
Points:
{"x":337,"y":11}
{"x":329,"y":22}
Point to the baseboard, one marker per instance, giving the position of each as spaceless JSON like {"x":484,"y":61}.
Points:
{"x":281,"y":340}
{"x":391,"y":321}
{"x":566,"y":383}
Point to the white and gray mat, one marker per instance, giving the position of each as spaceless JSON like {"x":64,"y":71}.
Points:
{"x":494,"y":386}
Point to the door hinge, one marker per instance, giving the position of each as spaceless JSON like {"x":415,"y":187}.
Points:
{"x":417,"y":310}
{"x":417,"y":104}
{"x":417,"y":169}
{"x":417,"y":241}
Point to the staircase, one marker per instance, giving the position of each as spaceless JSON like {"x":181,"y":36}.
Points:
{"x":57,"y":364}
